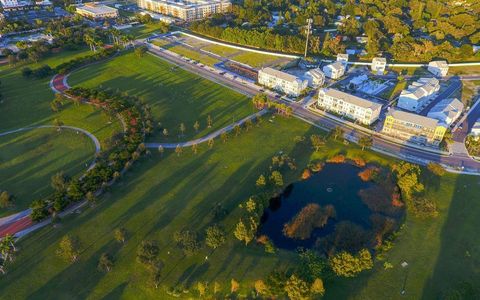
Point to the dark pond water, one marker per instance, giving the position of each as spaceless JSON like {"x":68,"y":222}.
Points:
{"x":336,"y":184}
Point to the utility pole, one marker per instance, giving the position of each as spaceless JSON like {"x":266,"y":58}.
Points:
{"x":309,"y":27}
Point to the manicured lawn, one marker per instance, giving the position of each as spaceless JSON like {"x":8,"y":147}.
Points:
{"x":29,"y":159}
{"x":175,"y":96}
{"x":192,"y":54}
{"x":258,"y":60}
{"x":395,"y":91}
{"x":162,"y":195}
{"x":143,"y":31}
{"x":220,"y":50}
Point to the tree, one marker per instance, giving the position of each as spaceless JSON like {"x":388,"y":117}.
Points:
{"x":347,"y":265}
{"x":216,"y":287}
{"x":224,"y":136}
{"x":243,"y":233}
{"x":447,"y":138}
{"x":209,"y":121}
{"x":338,"y":132}
{"x":69,"y":248}
{"x":59,"y":182}
{"x":210,"y":143}
{"x":105,"y":263}
{"x":215,"y":237}
{"x":6,"y":200}
{"x":178,"y":150}
{"x":296,"y":288}
{"x":365,"y":142}
{"x":317,"y":142}
{"x":147,"y":252}
{"x":196,"y":126}
{"x":182,"y":128}
{"x":237,"y":129}
{"x":436,"y":169}
{"x":57,"y":123}
{"x":140,"y":51}
{"x":120,"y":235}
{"x":260,"y":287}
{"x":161,"y":150}
{"x":187,"y":240}
{"x":195,"y":148}
{"x":202,"y":288}
{"x":234,"y":286}
{"x":277,"y":178}
{"x":91,"y":198}
{"x":165,"y":132}
{"x":261,"y":181}
{"x":7,"y":249}
{"x":317,"y":287}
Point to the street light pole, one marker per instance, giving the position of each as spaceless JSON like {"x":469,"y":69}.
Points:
{"x":309,"y":27}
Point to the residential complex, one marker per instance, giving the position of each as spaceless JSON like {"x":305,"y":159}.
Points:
{"x":315,"y":77}
{"x":353,"y":107}
{"x":342,"y":57}
{"x":283,"y":82}
{"x":95,"y":11}
{"x":187,"y":10}
{"x":413,"y":128}
{"x":447,"y":111}
{"x":418,"y":94}
{"x":378,"y":65}
{"x":438,"y":68}
{"x":335,"y":70}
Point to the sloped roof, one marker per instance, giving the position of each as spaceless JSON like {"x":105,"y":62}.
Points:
{"x":413,"y":118}
{"x":351,"y":98}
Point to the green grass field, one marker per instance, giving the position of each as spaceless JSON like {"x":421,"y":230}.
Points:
{"x":29,"y":159}
{"x":220,"y":50}
{"x":175,"y":95}
{"x":162,"y":195}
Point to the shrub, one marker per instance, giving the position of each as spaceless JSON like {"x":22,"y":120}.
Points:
{"x":359,"y":162}
{"x":345,"y":264}
{"x":436,"y":169}
{"x":306,"y":174}
{"x":368,"y":174}
{"x":337,"y":159}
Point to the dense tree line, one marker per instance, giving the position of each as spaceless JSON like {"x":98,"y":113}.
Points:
{"x":111,"y":162}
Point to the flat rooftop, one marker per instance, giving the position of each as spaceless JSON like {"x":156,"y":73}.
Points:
{"x":413,"y":118}
{"x":190,"y":3}
{"x":97,"y":8}
{"x":352,"y":99}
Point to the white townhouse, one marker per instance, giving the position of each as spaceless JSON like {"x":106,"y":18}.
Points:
{"x":315,"y":77}
{"x":283,"y":82}
{"x":342,"y":57}
{"x":447,"y":111}
{"x":418,"y":94}
{"x":334,"y":70}
{"x":378,"y":65}
{"x":362,"y":110}
{"x":438,"y":68}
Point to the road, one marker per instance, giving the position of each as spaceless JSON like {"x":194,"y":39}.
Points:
{"x":416,"y":154}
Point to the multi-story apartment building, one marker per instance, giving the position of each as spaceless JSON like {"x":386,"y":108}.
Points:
{"x":315,"y":77}
{"x":418,"y":94}
{"x":353,"y":107}
{"x":446,"y":111}
{"x":413,"y":128}
{"x":187,"y":10}
{"x":97,"y":11}
{"x":378,"y":65}
{"x":438,"y":68}
{"x":283,"y":82}
{"x":335,"y":70}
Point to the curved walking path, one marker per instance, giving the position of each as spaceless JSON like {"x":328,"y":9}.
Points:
{"x":208,"y":136}
{"x":21,"y":221}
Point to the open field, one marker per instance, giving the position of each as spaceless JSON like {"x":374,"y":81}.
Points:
{"x":174,"y":95}
{"x":29,"y":159}
{"x":162,"y":195}
{"x":143,"y":31}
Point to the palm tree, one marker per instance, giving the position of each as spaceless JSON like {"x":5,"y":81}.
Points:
{"x":365,"y":142}
{"x":182,"y":128}
{"x":178,"y":150}
{"x":196,"y":126}
{"x":209,"y":121}
{"x":448,"y":138}
{"x":195,"y":148}
{"x":161,"y":150}
{"x":210,"y":143}
{"x":338,"y":131}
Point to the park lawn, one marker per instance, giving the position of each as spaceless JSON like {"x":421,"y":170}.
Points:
{"x":163,"y":194}
{"x":29,"y":159}
{"x":192,"y":54}
{"x":257,"y":60}
{"x":175,"y":96}
{"x":221,"y":50}
{"x":144,"y":30}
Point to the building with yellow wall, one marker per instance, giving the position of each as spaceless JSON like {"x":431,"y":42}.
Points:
{"x":414,"y":128}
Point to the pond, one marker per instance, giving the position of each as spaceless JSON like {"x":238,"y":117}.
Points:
{"x":328,"y":197}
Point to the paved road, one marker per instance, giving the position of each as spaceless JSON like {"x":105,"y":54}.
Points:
{"x":455,"y":84}
{"x":411,"y":153}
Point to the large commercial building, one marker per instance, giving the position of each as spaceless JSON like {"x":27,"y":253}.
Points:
{"x":413,"y":128}
{"x":283,"y":82}
{"x":353,"y":107}
{"x":96,"y":11}
{"x":447,"y":111}
{"x":335,"y":70}
{"x":438,"y":68}
{"x":418,"y":94}
{"x":187,"y":10}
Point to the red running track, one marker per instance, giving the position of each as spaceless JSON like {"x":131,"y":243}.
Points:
{"x":16,"y":226}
